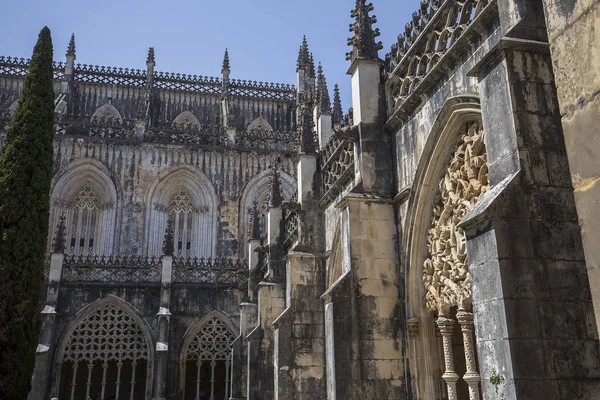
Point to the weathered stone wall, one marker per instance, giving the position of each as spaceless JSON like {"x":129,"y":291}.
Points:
{"x":364,"y":338}
{"x":135,"y":168}
{"x":189,"y":305}
{"x":575,"y":48}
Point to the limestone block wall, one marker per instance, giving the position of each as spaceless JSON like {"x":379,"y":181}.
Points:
{"x":364,"y":341}
{"x":300,"y":344}
{"x":575,"y":48}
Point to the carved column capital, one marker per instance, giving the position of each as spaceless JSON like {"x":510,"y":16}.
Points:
{"x":413,"y":327}
{"x":465,"y":319}
{"x":446,"y":326}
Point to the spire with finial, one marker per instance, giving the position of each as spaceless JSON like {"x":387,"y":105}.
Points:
{"x":303,"y":55}
{"x":150,"y":59}
{"x":71,"y":48}
{"x":338,"y":113}
{"x":323,"y":99}
{"x":306,"y":126}
{"x":363,"y":42}
{"x":169,"y":240}
{"x":311,"y":62}
{"x":225,"y":62}
{"x":59,"y":236}
{"x":255,"y":222}
{"x":276,"y":198}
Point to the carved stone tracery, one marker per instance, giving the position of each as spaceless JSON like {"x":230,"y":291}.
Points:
{"x":211,"y":343}
{"x":446,"y":272}
{"x":108,"y":334}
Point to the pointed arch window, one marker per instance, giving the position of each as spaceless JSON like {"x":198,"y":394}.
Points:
{"x":182,"y":213}
{"x":84,"y":222}
{"x":207,"y":361}
{"x":105,"y":356}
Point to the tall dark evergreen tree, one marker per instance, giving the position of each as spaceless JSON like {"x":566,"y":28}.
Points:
{"x":25,"y":177}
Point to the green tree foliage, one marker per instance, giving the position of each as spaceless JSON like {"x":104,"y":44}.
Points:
{"x":25,"y":178}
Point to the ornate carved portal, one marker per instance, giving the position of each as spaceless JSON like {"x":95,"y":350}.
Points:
{"x":105,"y":357}
{"x":208,"y":362}
{"x":446,"y":269}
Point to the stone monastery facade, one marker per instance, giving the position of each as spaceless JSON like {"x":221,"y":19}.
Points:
{"x":214,"y":238}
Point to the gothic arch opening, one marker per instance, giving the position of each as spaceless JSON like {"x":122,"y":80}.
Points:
{"x":451,"y":177}
{"x":106,"y":355}
{"x":186,"y":196}
{"x":206,"y":359}
{"x":89,"y":200}
{"x":260,"y":124}
{"x":186,"y":120}
{"x":107,"y":113}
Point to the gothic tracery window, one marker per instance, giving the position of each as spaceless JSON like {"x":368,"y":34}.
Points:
{"x":84,"y":222}
{"x":208,"y":362}
{"x":181,"y":212}
{"x":106,"y":355}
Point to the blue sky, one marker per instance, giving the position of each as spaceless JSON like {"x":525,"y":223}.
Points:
{"x":190,"y":36}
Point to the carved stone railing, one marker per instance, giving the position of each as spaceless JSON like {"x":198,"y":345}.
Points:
{"x":435,"y":30}
{"x":264,"y":90}
{"x":291,"y":215}
{"x":98,"y":127}
{"x":270,"y":141}
{"x":109,"y":75}
{"x":15,"y":66}
{"x":111,"y":269}
{"x":59,"y":69}
{"x":211,"y":136}
{"x":336,"y":161}
{"x":188,"y":83}
{"x":221,"y":272}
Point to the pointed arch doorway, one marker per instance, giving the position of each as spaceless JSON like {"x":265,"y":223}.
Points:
{"x":206,"y":360}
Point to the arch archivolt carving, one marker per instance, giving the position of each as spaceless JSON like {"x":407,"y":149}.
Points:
{"x":450,"y":178}
{"x":446,"y":270}
{"x":258,"y":189}
{"x":185,"y":195}
{"x":90,"y":201}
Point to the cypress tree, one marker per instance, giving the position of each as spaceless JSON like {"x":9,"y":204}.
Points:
{"x":25,"y":179}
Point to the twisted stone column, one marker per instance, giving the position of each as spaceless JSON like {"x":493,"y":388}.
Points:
{"x":465,"y":319}
{"x":446,"y":326}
